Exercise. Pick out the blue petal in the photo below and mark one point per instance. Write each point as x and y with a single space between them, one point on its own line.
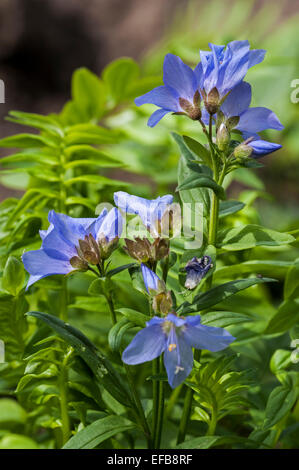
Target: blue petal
237 101
256 56
156 117
111 226
44 233
70 229
162 96
179 77
148 210
151 280
207 337
56 246
258 119
262 147
40 265
178 360
234 67
199 75
94 227
177 321
148 344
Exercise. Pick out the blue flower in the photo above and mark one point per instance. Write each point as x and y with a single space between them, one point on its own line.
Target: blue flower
225 67
150 211
71 243
151 281
262 147
251 120
175 336
179 91
196 270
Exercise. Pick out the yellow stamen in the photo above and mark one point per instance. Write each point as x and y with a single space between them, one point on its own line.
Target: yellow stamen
171 347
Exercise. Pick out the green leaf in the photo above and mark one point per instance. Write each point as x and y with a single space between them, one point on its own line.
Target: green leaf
88 92
97 362
115 271
223 319
134 316
80 201
95 179
291 285
80 153
248 236
219 293
230 207
203 442
286 316
13 276
11 413
275 268
280 402
38 121
192 196
280 360
118 76
198 149
117 332
201 181
27 141
99 431
17 441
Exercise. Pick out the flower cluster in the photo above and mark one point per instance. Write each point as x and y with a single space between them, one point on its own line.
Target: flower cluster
217 81
72 244
175 337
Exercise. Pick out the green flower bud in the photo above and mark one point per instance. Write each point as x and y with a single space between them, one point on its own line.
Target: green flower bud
242 151
223 137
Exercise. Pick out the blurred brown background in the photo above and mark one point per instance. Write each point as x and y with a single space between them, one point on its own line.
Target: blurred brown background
43 41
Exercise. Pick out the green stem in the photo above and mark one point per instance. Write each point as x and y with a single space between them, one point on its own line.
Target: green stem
173 399
213 423
138 404
136 399
185 416
155 371
165 269
111 308
160 410
63 300
63 389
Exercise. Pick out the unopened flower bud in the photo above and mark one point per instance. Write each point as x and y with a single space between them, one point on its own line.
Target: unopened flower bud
78 263
223 137
232 122
88 250
162 302
192 110
242 151
197 269
107 247
212 101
